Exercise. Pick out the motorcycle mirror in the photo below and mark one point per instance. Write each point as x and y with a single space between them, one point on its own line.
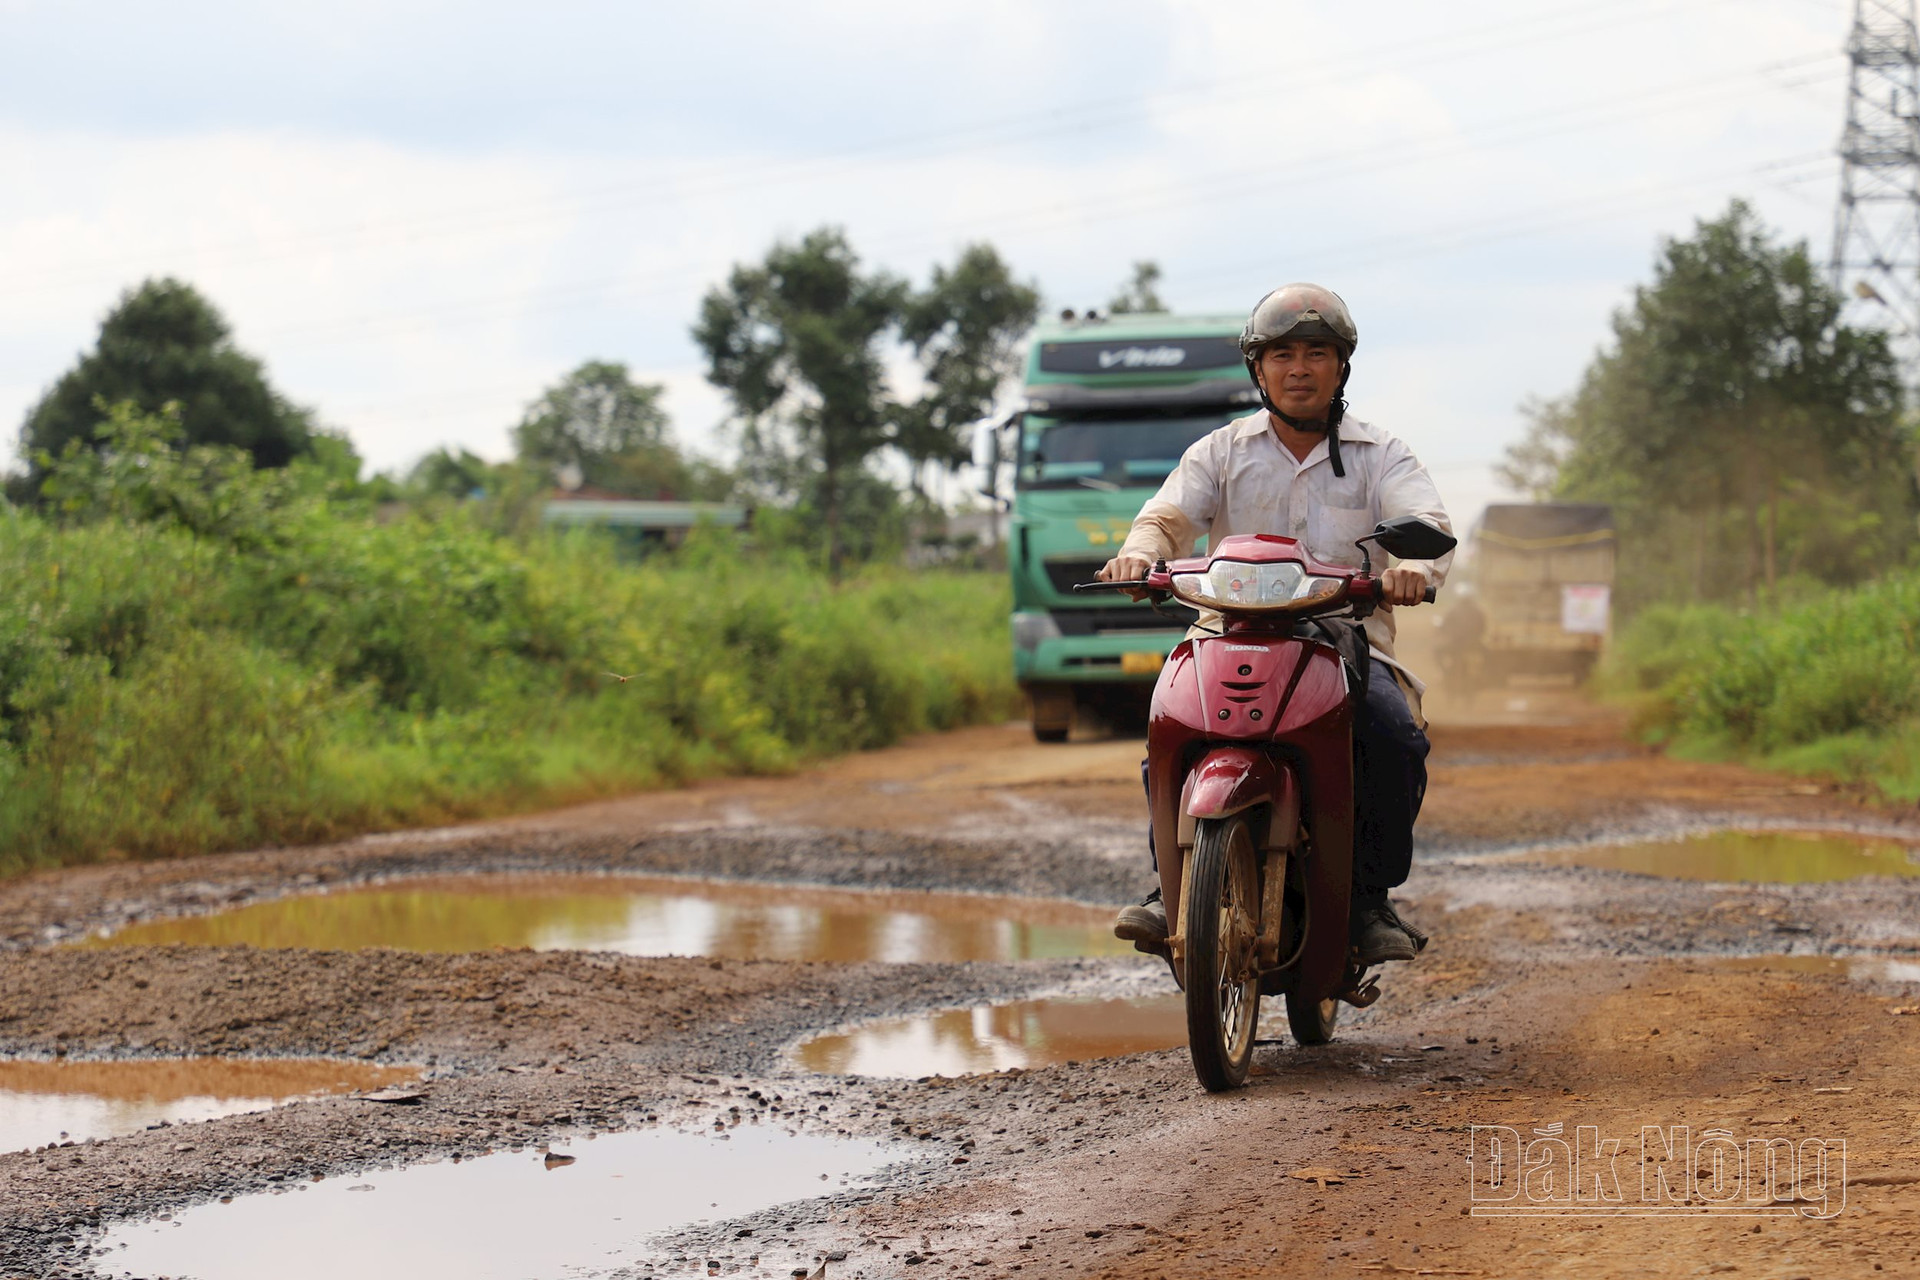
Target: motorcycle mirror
1411 538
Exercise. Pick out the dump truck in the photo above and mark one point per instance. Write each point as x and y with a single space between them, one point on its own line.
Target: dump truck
1538 597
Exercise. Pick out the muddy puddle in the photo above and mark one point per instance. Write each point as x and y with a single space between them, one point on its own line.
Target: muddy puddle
508 1215
1771 857
1853 968
1026 1033
649 917
67 1101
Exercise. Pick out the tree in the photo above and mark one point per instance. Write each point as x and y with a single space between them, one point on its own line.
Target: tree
138 472
1141 293
591 421
1731 406
445 473
796 343
966 330
164 344
614 434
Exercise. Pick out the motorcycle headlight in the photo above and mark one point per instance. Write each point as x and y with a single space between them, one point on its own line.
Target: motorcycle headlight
1234 584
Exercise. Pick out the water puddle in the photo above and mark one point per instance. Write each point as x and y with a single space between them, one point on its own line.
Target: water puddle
67 1101
505 1216
650 918
1774 857
1027 1033
1853 968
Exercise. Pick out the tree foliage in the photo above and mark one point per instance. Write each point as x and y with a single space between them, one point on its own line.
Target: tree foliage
137 472
800 341
1141 291
1741 431
797 343
452 473
599 427
966 328
595 414
165 344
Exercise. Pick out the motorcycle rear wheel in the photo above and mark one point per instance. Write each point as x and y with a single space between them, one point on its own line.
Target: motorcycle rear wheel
1222 926
1311 1021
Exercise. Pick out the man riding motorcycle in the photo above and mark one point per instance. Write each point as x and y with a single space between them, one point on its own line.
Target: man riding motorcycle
1301 469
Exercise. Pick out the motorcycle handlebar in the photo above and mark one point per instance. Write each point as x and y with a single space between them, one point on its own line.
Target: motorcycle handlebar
1367 587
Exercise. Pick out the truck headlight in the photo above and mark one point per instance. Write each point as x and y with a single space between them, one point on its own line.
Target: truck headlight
1029 629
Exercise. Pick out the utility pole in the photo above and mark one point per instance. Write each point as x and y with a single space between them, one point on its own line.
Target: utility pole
1876 230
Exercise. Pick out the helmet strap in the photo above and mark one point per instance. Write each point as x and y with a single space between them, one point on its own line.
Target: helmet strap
1329 424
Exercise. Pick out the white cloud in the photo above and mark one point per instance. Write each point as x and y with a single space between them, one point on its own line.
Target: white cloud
418 257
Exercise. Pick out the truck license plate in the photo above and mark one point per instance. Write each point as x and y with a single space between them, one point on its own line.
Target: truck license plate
1142 664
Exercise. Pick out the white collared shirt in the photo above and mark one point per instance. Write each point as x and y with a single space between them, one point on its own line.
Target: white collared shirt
1241 479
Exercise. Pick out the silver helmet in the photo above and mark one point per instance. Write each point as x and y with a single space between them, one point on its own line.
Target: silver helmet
1300 312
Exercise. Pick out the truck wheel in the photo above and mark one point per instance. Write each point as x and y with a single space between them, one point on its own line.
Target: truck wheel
1050 712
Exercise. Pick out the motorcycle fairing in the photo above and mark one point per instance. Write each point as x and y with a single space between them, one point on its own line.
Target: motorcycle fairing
1242 681
1311 728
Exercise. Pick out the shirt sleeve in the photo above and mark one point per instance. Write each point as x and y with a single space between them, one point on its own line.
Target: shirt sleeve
1182 512
1405 489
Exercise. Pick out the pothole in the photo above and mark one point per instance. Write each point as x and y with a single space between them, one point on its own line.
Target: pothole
590 1209
648 917
1771 857
64 1100
998 1037
1853 968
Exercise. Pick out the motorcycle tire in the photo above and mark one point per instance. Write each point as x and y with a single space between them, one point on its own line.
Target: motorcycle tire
1221 917
1311 1021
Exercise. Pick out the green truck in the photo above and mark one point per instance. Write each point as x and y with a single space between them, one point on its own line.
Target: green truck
1110 405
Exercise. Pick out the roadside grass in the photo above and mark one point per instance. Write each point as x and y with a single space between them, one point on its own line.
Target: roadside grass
1827 687
165 691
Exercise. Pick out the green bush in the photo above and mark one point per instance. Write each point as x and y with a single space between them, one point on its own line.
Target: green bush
1827 684
170 684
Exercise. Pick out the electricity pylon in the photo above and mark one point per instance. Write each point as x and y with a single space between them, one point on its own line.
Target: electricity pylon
1876 231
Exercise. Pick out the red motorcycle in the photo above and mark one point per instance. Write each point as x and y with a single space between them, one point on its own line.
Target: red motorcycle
1250 782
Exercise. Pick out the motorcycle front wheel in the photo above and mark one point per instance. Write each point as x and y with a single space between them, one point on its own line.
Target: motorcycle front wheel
1222 923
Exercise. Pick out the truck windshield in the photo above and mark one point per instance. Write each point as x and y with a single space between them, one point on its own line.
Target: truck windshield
1110 451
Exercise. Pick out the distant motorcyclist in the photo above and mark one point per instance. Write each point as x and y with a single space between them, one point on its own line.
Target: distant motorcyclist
1301 469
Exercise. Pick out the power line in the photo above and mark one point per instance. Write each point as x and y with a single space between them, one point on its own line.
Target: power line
1108 112
1233 183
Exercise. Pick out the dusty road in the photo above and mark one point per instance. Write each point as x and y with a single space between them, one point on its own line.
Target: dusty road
1552 996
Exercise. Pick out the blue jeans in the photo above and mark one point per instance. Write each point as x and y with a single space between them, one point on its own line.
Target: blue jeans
1389 782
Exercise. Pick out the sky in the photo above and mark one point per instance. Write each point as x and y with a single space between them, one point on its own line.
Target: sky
420 214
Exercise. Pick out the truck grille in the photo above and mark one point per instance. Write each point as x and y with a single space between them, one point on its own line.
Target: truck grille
1062 574
1122 620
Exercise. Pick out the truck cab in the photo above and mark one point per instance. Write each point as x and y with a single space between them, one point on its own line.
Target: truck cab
1110 406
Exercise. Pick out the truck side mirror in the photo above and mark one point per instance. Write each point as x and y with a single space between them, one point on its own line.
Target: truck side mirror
986 452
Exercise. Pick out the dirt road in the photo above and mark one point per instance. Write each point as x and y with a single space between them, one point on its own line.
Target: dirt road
1594 1001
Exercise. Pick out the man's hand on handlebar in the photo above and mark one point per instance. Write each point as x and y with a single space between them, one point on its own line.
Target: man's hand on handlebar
1403 586
1126 567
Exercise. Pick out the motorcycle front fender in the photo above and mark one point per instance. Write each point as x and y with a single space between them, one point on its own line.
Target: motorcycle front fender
1227 780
